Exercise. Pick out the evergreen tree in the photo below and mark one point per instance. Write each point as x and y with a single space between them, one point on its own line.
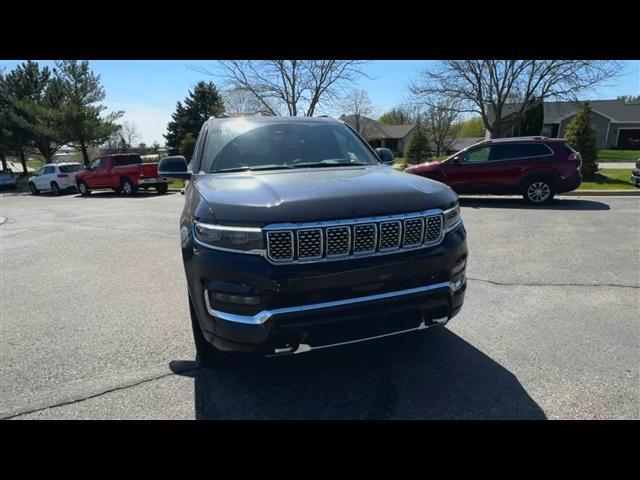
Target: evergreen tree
532 118
34 100
418 150
187 146
81 111
581 135
201 103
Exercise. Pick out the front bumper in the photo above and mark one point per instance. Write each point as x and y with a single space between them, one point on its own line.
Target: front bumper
152 182
312 306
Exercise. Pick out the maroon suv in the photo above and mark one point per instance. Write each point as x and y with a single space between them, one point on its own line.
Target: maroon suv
536 167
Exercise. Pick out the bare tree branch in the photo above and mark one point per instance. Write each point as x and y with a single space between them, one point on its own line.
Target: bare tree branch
485 87
293 87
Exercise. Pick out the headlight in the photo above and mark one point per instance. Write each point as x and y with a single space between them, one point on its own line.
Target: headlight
244 239
452 218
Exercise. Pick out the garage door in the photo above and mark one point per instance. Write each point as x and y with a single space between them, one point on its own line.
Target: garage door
629 138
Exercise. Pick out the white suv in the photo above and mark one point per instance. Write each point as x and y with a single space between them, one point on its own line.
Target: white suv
55 177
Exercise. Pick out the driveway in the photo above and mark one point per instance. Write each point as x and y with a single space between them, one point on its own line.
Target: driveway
94 323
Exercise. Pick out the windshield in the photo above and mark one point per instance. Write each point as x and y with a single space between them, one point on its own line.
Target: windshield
244 145
70 168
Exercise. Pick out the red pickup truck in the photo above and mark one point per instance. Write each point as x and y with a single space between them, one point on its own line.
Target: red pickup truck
122 172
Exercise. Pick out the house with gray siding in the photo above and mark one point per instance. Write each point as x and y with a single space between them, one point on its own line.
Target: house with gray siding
617 123
378 134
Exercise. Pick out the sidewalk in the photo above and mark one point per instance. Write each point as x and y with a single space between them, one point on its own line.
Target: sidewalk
617 165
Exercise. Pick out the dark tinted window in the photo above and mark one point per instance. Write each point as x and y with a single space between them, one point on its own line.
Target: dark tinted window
523 150
127 160
48 170
242 143
70 168
477 155
104 163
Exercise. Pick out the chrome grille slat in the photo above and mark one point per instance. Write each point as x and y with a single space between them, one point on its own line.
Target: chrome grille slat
365 238
309 243
434 229
340 239
413 232
280 245
390 235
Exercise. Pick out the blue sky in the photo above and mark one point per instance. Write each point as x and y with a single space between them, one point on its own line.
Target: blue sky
148 90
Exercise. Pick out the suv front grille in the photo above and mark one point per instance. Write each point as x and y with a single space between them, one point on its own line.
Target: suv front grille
280 245
353 238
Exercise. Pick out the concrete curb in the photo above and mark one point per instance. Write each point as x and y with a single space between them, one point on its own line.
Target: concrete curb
601 193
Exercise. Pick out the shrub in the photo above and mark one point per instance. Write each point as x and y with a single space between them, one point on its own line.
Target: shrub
581 135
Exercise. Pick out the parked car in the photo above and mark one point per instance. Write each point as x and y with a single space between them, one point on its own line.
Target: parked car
635 174
7 179
54 177
121 172
536 167
297 235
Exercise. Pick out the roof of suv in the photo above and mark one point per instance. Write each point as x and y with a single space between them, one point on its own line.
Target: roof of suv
272 119
521 139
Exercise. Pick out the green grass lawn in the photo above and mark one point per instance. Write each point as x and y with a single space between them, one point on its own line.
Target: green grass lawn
610 179
618 155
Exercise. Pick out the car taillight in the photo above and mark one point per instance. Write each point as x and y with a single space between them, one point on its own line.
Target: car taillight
62 175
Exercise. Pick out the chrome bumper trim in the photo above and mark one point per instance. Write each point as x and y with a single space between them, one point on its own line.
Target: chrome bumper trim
264 315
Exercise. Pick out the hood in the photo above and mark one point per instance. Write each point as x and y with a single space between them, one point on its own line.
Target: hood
280 196
425 167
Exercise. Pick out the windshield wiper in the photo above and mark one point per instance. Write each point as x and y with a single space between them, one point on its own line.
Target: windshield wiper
246 168
337 164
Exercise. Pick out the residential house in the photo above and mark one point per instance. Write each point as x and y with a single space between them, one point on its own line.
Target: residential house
617 123
378 134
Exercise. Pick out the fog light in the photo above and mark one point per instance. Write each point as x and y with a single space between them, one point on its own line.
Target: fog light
237 299
457 284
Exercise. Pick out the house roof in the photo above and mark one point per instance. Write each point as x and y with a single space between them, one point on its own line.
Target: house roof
374 129
616 110
464 142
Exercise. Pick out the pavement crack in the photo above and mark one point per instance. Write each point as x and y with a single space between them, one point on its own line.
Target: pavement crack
540 284
79 399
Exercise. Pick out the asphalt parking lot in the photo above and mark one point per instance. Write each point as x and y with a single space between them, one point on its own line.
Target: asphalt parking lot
94 323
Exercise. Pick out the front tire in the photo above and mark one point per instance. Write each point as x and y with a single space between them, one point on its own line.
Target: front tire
33 189
83 188
538 191
162 189
128 188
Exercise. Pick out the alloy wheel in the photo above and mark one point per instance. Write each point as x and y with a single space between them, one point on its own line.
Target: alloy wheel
538 192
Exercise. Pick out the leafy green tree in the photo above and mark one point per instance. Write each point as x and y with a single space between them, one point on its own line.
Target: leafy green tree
187 146
581 135
418 149
35 98
81 111
201 103
400 115
532 118
473 127
7 139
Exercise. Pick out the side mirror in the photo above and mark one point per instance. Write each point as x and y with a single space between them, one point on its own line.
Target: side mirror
174 167
385 155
